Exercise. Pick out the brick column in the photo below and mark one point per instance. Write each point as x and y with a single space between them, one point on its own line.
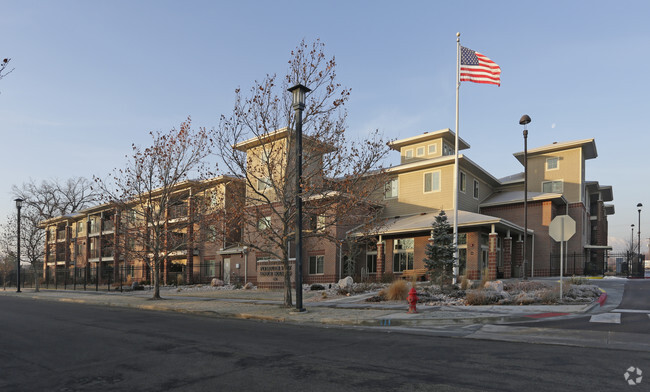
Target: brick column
507 257
518 258
189 264
380 260
492 256
116 253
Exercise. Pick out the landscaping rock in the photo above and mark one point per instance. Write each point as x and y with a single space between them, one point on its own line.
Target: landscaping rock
346 283
248 286
496 285
216 282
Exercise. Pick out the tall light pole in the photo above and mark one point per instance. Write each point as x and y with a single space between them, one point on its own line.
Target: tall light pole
638 229
19 205
525 120
299 92
631 251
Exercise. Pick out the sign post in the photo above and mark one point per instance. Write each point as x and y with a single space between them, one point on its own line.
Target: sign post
561 229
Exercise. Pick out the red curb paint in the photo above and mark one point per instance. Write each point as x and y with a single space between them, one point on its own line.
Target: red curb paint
543 315
602 299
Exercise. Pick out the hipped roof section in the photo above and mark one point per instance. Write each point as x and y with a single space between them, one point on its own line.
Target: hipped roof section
281 133
588 149
178 187
446 134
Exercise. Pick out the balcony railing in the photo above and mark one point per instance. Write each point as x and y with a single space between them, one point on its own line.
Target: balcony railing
178 211
60 256
109 225
108 252
94 253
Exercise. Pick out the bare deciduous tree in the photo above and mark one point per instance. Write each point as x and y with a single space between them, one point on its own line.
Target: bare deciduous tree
147 189
339 177
4 68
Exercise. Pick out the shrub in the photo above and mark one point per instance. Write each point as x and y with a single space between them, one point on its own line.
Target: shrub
388 277
549 296
484 277
316 287
482 297
577 280
397 291
464 282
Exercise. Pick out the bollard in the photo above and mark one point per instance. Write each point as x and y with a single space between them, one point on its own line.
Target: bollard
412 299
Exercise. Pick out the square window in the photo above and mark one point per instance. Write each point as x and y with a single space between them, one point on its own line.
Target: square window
552 163
432 182
462 182
391 189
264 223
316 264
419 152
408 153
553 186
263 183
433 148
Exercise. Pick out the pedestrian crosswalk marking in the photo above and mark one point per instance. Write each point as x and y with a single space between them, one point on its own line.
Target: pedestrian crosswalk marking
609 318
631 311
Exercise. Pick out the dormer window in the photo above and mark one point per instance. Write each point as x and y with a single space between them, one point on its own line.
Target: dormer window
433 148
419 152
552 163
408 154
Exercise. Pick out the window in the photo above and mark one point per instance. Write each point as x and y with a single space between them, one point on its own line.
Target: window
433 148
419 152
212 233
462 182
264 223
432 182
208 268
213 199
408 153
462 238
390 191
476 189
403 254
371 258
263 183
316 265
553 186
80 227
552 163
447 149
371 263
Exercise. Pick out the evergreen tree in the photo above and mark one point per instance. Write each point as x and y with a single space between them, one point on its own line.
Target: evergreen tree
440 252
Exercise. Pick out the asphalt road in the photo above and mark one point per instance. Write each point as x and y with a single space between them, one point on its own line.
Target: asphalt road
633 314
54 346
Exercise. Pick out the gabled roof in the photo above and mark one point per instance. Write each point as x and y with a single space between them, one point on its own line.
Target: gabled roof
446 134
588 149
423 222
278 134
511 197
463 162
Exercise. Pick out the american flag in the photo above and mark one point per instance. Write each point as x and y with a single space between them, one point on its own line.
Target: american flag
477 68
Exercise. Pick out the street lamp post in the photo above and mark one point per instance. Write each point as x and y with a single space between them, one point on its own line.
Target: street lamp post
631 255
525 120
19 205
299 92
638 233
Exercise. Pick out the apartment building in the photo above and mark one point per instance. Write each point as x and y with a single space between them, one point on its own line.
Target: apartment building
106 243
490 217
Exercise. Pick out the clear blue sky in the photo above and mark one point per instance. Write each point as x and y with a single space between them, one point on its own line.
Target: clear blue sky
92 77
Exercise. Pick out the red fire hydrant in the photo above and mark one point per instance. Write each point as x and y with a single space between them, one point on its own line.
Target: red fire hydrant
412 299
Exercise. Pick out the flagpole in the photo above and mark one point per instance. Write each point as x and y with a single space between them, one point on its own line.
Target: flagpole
456 131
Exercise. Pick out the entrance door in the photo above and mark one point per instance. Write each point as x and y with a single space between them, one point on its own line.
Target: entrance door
226 270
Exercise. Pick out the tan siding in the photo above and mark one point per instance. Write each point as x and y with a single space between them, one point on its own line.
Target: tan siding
411 197
569 171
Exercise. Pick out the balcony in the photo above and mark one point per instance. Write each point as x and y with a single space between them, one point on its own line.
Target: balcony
178 211
109 226
60 256
108 252
60 235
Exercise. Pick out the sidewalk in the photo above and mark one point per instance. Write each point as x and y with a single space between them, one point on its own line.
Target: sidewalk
338 311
